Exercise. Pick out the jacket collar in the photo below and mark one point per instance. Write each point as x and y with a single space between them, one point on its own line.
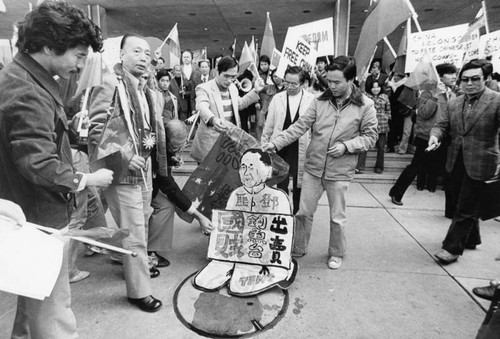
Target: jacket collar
40 74
356 96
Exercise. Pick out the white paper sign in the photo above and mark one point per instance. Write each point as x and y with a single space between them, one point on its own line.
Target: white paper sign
318 34
442 45
30 260
111 51
296 52
489 45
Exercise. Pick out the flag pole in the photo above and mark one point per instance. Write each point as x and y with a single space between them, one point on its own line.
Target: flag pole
483 4
390 47
414 15
168 36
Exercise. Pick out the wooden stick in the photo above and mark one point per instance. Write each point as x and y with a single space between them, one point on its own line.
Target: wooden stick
82 239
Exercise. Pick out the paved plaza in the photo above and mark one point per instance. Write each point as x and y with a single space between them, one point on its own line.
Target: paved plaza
389 285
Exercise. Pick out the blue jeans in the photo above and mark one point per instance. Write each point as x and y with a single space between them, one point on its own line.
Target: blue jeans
312 189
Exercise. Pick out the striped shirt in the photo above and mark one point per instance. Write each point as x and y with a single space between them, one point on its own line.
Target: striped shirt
227 105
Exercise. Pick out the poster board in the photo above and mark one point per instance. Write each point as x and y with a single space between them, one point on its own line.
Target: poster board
296 52
319 34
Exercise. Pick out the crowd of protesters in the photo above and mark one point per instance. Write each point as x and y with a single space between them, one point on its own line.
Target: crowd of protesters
322 121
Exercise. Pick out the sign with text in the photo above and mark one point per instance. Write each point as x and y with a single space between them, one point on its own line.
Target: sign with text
296 52
252 238
319 34
443 45
489 45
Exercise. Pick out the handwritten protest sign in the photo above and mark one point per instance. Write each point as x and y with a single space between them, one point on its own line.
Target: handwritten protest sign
217 176
443 45
296 52
319 34
489 45
252 238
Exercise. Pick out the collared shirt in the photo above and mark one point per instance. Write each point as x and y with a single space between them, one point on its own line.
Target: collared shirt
469 104
204 78
187 70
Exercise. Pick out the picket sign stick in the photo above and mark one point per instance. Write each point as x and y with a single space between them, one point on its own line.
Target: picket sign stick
77 238
486 26
84 133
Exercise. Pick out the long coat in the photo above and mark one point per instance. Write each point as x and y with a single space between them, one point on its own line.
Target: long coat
209 104
478 137
276 119
36 168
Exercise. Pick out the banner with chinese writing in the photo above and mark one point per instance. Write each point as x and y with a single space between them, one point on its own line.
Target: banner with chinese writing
217 176
251 237
443 45
296 52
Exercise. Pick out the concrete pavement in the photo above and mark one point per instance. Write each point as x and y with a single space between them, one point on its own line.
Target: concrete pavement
389 285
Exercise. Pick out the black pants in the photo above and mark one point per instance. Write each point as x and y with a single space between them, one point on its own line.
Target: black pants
411 171
464 228
380 146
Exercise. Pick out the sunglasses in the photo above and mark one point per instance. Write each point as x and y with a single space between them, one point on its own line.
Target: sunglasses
474 79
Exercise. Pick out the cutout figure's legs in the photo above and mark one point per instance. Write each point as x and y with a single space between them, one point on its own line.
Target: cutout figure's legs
213 276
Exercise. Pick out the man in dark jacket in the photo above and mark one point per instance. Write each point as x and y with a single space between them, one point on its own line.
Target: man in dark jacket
35 156
473 122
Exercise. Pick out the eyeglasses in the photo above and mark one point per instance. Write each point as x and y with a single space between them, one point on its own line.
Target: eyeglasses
474 79
291 84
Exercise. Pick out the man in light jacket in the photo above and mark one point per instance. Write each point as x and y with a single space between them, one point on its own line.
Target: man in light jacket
345 123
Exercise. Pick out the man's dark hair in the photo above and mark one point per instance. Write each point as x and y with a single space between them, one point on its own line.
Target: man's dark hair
161 58
129 35
294 70
202 61
187 50
226 63
264 156
264 58
345 65
446 68
163 73
58 26
485 66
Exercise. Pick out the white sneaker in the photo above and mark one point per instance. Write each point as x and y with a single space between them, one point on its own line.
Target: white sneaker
334 262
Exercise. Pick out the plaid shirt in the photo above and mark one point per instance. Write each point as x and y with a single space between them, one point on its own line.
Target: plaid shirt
383 108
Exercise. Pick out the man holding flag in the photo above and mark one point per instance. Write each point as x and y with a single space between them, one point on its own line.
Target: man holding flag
219 104
125 131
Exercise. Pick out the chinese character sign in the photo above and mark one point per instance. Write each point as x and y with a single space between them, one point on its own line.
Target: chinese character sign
252 238
296 52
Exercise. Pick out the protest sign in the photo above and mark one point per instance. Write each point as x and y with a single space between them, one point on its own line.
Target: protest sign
252 238
30 260
111 51
217 176
489 45
471 46
296 52
319 34
442 45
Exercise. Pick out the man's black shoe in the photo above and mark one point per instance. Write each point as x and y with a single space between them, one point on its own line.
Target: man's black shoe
485 292
160 261
147 304
154 273
396 201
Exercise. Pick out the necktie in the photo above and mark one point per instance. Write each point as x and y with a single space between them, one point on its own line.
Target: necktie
204 78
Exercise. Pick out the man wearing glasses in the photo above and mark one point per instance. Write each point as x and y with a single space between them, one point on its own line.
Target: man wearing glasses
285 109
219 104
473 123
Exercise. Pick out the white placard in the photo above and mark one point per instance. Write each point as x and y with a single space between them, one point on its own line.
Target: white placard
489 45
318 34
296 52
442 45
30 260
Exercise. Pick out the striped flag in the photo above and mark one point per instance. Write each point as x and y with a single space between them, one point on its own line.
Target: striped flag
174 48
424 77
247 61
479 21
377 25
268 45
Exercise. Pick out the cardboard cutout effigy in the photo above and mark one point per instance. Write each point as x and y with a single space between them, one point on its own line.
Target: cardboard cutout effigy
250 248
